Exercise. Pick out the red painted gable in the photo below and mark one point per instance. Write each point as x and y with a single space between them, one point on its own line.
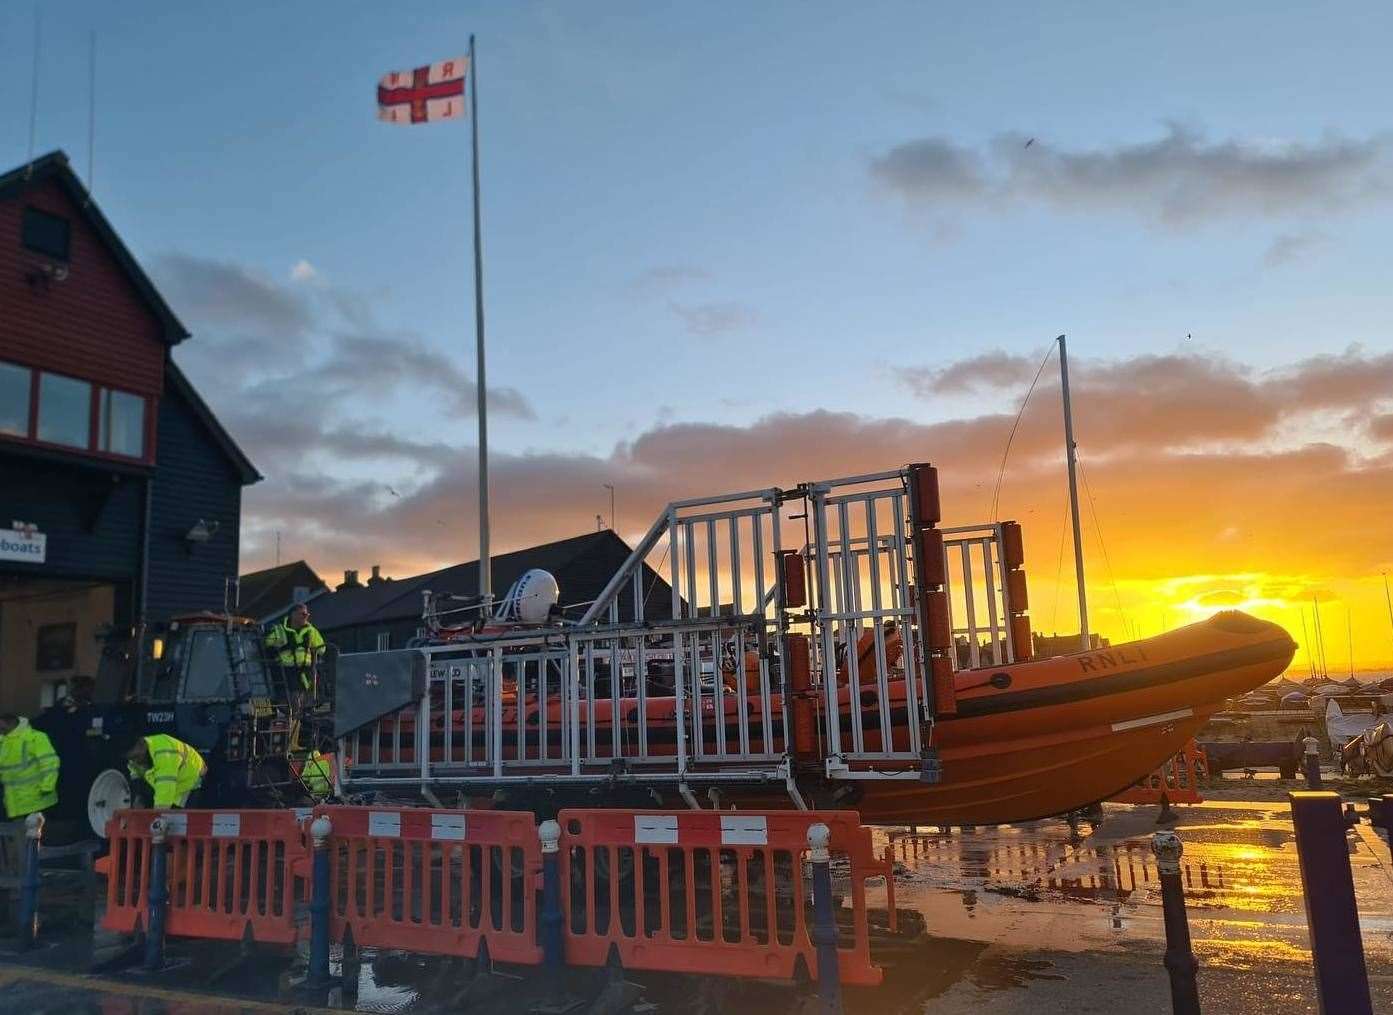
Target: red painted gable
95 324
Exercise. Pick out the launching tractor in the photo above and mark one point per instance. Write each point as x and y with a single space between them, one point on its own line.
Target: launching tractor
206 679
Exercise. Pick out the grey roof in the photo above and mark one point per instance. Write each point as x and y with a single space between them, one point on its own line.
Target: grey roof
265 593
581 564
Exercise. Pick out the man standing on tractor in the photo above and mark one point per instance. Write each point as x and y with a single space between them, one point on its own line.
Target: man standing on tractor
28 768
172 768
300 645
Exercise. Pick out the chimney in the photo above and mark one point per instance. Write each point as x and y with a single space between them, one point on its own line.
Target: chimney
376 578
350 580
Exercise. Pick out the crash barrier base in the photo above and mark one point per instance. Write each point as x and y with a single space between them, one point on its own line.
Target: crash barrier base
1178 780
435 881
719 893
230 875
710 892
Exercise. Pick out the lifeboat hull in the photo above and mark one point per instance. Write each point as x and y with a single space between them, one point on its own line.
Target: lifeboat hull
1048 736
1074 730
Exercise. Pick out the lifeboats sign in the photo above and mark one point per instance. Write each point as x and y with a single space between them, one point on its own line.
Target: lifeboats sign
23 543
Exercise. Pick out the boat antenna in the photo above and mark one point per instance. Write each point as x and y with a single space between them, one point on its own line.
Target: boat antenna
1071 457
996 495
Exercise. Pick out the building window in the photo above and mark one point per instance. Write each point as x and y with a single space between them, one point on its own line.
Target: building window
122 422
56 647
65 411
14 400
46 234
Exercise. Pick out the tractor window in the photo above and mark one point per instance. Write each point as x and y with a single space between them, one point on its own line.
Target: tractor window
168 666
251 671
209 673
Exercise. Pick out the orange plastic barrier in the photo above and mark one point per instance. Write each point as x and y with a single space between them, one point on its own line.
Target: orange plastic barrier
435 881
725 893
1178 780
230 873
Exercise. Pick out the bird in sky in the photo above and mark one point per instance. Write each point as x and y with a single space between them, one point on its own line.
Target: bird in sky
1030 142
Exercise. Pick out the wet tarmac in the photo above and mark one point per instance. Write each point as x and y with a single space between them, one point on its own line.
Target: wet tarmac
1032 918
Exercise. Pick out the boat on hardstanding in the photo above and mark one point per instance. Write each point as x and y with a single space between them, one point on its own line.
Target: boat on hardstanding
876 660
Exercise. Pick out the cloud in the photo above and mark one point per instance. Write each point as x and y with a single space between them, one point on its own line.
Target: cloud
303 271
666 277
1180 179
713 318
989 370
222 295
382 362
1290 247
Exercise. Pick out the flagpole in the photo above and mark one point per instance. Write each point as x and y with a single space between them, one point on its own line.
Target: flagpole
485 563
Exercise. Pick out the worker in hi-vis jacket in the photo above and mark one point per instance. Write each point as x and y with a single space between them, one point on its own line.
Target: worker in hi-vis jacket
28 767
172 768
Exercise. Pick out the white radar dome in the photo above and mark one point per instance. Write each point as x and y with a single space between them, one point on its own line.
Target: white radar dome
532 596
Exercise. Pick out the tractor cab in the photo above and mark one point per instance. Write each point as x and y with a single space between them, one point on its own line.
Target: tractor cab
206 679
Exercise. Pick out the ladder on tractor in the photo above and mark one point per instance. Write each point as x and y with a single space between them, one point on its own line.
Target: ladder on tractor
761 638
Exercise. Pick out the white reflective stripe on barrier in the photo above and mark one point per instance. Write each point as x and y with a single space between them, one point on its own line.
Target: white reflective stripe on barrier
447 826
385 824
227 826
744 830
175 823
656 828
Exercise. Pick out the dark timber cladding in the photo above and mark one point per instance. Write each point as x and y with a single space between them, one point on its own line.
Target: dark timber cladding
120 493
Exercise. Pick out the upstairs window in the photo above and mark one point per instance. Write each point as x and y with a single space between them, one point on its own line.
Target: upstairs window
65 411
45 234
14 400
121 424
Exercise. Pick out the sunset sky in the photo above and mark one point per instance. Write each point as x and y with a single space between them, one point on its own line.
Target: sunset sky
735 245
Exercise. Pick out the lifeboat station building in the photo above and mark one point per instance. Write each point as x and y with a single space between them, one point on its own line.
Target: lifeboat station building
120 493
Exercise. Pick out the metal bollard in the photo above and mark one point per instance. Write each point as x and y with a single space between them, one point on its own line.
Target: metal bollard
824 929
29 886
1180 958
553 947
1332 914
318 976
157 897
1312 763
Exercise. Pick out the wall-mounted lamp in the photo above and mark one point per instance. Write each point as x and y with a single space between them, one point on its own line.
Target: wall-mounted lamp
200 533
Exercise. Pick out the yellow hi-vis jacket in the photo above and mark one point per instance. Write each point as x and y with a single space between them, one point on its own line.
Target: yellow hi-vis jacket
318 774
29 770
300 648
176 770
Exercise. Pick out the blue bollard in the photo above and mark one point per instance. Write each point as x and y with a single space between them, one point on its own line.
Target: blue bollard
1332 914
824 930
157 897
29 886
1180 959
318 977
553 946
1312 763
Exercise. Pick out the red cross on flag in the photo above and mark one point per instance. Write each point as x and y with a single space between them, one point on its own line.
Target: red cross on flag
435 92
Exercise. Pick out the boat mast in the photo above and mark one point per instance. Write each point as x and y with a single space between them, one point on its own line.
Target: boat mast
1071 456
1320 638
1349 633
1388 599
